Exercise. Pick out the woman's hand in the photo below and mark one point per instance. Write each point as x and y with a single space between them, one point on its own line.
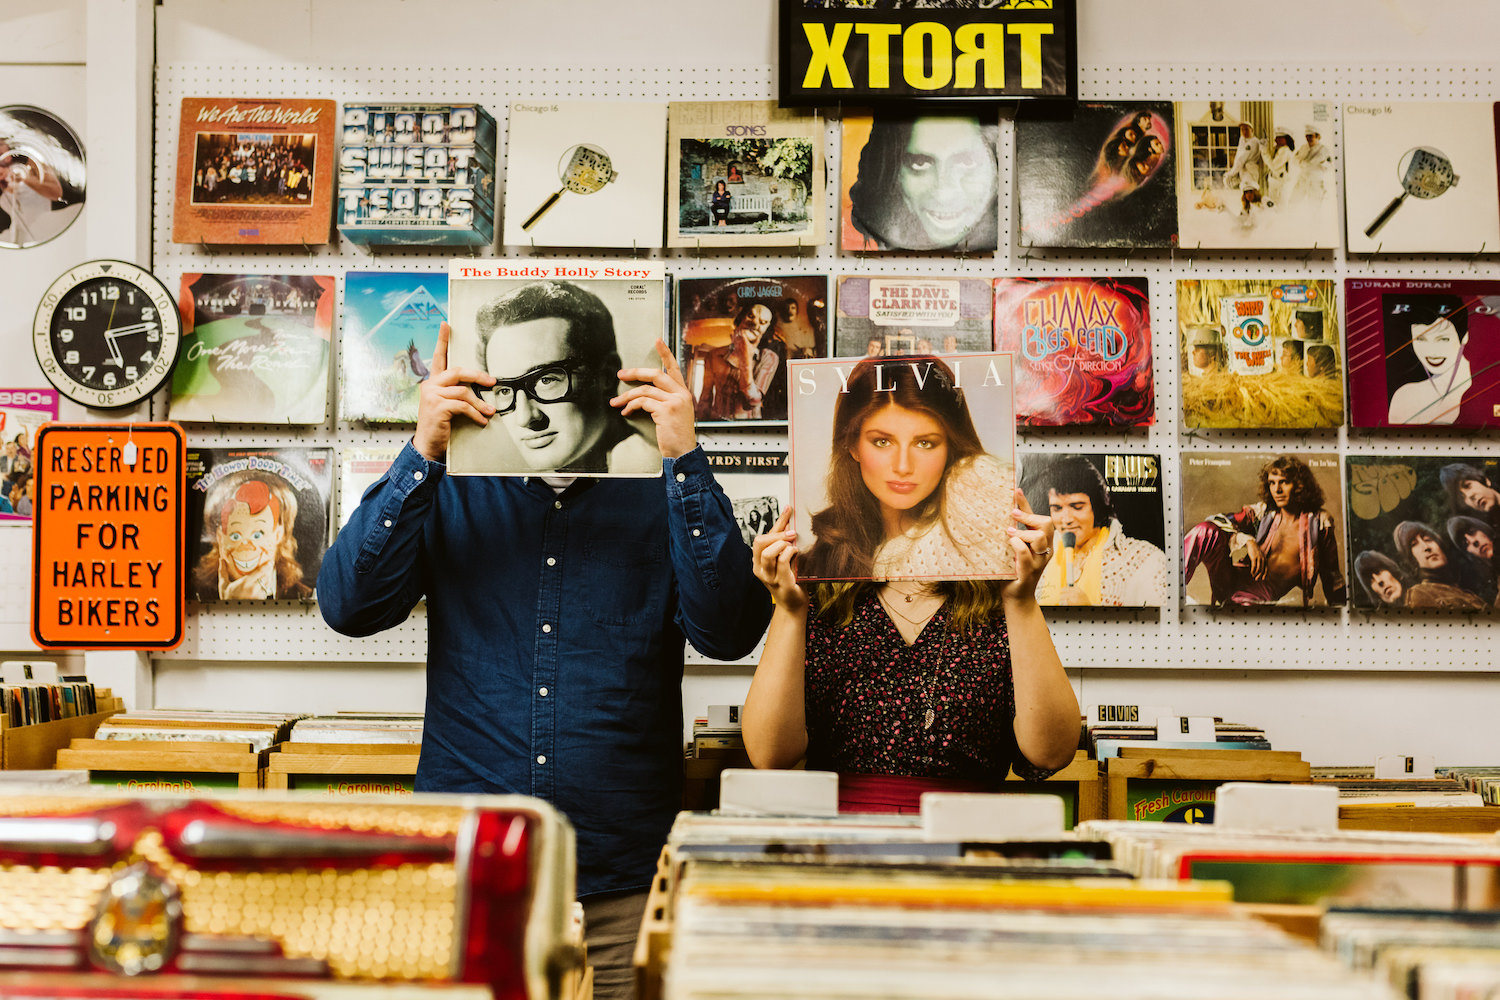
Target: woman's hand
1031 540
773 557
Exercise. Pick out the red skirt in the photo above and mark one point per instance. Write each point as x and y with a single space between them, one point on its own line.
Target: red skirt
897 793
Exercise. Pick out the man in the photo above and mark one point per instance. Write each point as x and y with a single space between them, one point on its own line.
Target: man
1470 492
1289 361
1249 165
252 517
736 376
557 611
1290 541
1205 350
1431 560
1388 586
1313 161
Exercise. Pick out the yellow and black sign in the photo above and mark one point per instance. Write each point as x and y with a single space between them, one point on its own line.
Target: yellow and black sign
884 51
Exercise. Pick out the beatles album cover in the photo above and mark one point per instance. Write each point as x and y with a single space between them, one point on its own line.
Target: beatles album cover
1106 177
1256 174
1423 352
1262 528
22 414
585 174
255 349
555 334
736 336
359 469
920 182
1259 353
391 321
254 171
747 174
1419 177
903 468
1082 349
417 174
757 483
899 314
261 519
1424 531
1108 546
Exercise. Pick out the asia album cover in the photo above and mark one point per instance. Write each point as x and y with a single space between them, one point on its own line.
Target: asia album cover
253 170
255 349
585 173
1423 531
1262 528
743 174
736 336
1082 350
1109 538
881 314
260 520
1256 175
1259 353
920 182
555 334
1420 177
757 483
1423 352
391 321
903 468
1105 177
359 469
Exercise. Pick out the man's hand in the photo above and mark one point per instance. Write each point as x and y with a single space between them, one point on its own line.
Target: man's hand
664 394
1257 560
446 393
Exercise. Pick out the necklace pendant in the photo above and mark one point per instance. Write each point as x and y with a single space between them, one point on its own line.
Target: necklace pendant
928 719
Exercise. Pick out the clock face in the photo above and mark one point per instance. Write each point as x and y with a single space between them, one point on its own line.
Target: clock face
107 334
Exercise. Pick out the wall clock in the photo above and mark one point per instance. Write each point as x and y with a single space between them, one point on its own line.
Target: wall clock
107 334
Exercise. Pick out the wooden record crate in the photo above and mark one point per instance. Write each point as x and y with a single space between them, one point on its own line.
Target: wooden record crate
35 747
1421 819
1141 776
343 768
655 936
165 765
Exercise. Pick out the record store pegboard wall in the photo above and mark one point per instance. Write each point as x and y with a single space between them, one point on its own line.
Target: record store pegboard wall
1171 637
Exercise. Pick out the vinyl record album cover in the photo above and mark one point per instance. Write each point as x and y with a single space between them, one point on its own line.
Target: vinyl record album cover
555 335
903 468
22 414
255 349
1423 352
743 173
359 469
1259 353
1108 543
1256 174
1419 177
585 174
1082 348
254 171
1262 528
758 484
1424 531
736 336
1106 177
391 321
923 182
909 314
261 519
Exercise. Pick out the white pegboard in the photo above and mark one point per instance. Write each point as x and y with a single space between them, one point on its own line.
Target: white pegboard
1172 637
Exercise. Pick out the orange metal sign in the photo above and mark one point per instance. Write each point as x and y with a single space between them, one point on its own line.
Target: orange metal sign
107 554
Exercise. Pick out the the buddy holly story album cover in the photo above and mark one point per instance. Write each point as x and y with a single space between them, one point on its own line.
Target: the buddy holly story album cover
903 468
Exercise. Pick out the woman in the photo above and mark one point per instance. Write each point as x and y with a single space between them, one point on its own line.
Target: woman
906 687
718 204
1433 330
928 184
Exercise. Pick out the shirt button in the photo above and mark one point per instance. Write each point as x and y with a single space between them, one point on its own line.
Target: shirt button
696 533
416 475
542 692
682 477
541 758
557 504
546 628
387 522
551 561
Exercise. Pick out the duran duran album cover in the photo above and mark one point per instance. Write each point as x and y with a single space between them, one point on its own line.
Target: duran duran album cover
899 314
585 174
359 469
743 174
261 519
1259 353
1105 177
903 468
736 336
920 182
391 321
757 483
1082 349
1424 531
255 349
1420 177
1262 528
1423 352
1256 174
254 171
22 414
555 335
1109 538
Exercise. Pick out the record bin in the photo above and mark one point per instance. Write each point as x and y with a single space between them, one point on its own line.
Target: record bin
1152 783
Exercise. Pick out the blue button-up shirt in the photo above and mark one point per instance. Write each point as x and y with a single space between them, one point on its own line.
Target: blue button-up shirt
555 630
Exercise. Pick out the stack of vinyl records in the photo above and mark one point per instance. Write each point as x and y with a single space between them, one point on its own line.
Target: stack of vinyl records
259 729
1358 786
1422 954
716 741
359 727
1483 781
29 704
1104 740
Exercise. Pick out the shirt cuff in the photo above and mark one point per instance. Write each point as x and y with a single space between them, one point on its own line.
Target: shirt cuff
687 474
411 471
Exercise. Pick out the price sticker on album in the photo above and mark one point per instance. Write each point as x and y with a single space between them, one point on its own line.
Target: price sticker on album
107 556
